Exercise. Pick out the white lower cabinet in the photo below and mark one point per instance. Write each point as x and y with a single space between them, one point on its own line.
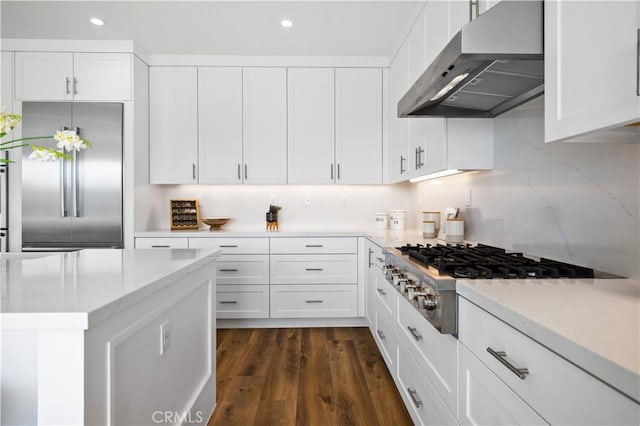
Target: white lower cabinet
556 389
314 301
242 301
420 397
486 400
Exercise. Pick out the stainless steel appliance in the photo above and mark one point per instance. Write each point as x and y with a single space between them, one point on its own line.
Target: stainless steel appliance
493 64
75 204
426 275
4 200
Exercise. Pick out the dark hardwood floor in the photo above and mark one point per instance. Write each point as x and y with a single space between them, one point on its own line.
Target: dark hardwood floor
304 376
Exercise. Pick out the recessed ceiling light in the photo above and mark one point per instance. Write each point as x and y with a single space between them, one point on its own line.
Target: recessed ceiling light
286 23
96 21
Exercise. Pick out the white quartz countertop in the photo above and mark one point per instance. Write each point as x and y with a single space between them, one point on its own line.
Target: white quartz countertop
594 323
80 289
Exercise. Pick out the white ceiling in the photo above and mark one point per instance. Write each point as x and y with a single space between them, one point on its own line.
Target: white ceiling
321 28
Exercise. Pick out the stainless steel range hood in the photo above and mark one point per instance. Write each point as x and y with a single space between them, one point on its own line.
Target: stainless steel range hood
493 64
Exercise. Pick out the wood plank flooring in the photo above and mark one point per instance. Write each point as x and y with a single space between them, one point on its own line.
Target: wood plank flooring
304 376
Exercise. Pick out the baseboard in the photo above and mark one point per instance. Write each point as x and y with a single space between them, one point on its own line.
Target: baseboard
292 322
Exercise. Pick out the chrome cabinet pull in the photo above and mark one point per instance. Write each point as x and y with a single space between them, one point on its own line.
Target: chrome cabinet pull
246 174
338 171
381 334
414 396
414 332
381 291
314 245
313 301
417 159
402 160
380 259
370 261
332 172
68 81
159 246
501 356
228 302
228 246
193 171
314 269
239 172
420 161
75 86
229 270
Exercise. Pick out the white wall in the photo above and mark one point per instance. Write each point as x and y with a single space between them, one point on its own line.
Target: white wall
571 202
247 205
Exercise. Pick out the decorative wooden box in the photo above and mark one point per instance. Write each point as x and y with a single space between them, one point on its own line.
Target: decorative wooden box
184 214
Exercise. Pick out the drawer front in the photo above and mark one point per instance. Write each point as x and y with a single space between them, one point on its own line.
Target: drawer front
247 301
436 354
385 296
558 390
314 269
386 337
162 243
233 245
303 245
486 400
242 269
421 399
311 301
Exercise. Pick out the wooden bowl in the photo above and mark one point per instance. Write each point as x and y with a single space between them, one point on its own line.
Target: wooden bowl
215 222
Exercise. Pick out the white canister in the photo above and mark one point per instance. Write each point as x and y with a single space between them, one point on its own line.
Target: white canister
428 229
397 218
382 221
432 217
455 230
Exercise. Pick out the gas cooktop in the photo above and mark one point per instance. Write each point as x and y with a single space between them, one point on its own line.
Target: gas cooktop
486 262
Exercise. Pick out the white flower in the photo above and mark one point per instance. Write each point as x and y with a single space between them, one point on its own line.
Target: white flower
69 140
8 121
44 154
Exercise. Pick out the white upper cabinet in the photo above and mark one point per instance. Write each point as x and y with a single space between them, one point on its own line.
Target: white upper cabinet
53 76
399 138
173 118
311 130
220 125
417 42
265 125
358 126
591 70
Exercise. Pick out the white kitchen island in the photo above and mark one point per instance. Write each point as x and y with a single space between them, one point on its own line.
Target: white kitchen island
108 337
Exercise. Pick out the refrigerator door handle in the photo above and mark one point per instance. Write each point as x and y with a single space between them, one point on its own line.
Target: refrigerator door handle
63 189
74 179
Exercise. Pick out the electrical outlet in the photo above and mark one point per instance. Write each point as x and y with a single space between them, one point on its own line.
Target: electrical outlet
307 200
164 337
272 199
343 200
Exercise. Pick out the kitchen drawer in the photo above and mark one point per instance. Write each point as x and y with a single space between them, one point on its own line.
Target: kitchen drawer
386 337
304 245
232 245
421 399
386 296
558 390
314 269
486 400
247 301
312 301
436 354
162 243
242 269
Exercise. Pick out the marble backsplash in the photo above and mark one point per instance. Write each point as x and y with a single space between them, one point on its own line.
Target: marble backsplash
571 202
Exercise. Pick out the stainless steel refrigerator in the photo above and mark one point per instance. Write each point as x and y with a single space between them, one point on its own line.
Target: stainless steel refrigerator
73 204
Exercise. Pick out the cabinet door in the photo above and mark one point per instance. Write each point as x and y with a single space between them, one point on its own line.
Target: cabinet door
417 41
102 76
43 76
265 125
594 90
359 125
311 134
399 83
173 122
220 125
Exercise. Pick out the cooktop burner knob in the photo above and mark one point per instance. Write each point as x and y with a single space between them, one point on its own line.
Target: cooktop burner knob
430 302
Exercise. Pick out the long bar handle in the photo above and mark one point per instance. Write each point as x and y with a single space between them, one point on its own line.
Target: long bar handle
68 82
638 65
381 334
63 189
381 291
75 86
313 301
338 166
193 171
229 270
414 332
314 269
228 246
370 260
501 356
402 160
246 173
414 396
314 245
74 183
239 172
331 171
160 246
228 302
417 159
